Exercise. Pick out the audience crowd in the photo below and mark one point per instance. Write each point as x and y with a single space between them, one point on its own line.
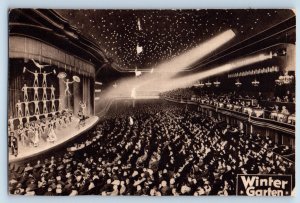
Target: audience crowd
152 149
254 106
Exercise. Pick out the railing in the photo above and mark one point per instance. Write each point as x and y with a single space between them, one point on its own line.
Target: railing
241 113
251 111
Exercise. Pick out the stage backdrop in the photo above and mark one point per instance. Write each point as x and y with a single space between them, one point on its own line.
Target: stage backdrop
24 51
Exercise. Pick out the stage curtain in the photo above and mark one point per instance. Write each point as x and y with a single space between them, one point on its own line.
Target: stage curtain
27 48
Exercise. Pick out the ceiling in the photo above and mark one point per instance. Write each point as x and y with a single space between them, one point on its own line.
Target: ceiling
164 34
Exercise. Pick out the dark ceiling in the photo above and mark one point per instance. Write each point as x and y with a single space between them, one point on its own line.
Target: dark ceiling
165 34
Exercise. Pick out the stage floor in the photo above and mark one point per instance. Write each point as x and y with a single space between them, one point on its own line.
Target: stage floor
63 135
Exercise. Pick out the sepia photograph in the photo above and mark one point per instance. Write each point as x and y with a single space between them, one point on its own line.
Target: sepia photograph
151 102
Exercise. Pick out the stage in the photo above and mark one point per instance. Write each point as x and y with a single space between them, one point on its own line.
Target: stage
64 135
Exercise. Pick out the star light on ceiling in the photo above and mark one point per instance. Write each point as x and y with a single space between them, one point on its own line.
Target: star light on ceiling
165 34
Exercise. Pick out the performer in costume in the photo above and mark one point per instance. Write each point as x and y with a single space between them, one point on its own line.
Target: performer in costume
57 120
19 109
43 125
44 83
51 135
40 129
22 134
21 121
36 77
45 110
44 93
30 133
60 107
53 122
36 108
52 96
83 106
11 123
53 109
62 122
27 119
65 118
26 111
36 138
25 90
36 93
67 90
39 65
70 116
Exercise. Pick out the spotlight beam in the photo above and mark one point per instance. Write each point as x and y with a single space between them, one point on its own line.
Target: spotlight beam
188 58
168 69
164 72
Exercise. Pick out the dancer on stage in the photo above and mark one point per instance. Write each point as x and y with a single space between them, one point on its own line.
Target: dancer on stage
51 122
57 121
67 90
65 117
27 119
52 95
44 93
37 116
36 77
11 123
40 128
26 111
62 122
45 110
60 106
21 121
36 138
25 90
46 115
44 82
53 109
39 65
19 109
82 106
36 108
22 134
51 135
70 115
36 93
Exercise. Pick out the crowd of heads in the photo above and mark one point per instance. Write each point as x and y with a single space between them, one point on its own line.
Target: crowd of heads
168 149
230 99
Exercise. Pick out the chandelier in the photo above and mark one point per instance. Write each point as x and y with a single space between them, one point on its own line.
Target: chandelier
199 84
238 83
284 79
208 84
217 83
255 83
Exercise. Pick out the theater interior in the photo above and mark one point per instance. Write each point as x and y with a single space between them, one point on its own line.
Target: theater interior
169 102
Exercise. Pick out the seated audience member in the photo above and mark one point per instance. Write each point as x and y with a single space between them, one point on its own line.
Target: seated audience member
168 150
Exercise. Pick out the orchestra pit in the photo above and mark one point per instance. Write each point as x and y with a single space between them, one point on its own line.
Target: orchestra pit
149 102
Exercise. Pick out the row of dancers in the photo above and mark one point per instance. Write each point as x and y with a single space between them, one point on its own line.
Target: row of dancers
31 132
26 112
